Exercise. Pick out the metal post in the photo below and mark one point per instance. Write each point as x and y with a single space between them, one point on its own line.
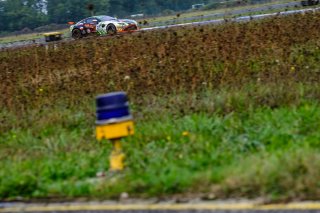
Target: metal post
117 156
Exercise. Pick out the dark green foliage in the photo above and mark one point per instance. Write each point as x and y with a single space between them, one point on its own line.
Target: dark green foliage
18 14
62 11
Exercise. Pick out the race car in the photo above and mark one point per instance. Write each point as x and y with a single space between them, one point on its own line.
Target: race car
101 25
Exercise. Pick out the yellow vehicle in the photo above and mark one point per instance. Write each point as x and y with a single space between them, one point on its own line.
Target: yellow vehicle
53 36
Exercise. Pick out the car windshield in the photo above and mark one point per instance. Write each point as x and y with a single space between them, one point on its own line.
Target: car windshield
106 18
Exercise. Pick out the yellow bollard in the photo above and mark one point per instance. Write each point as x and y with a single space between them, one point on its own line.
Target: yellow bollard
117 156
115 130
114 121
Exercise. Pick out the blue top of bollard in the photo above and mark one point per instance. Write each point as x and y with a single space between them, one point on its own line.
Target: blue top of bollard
112 108
111 99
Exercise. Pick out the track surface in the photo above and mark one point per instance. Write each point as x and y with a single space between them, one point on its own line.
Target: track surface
232 12
213 16
203 207
238 19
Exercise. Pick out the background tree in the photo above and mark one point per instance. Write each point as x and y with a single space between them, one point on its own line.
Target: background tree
62 11
18 14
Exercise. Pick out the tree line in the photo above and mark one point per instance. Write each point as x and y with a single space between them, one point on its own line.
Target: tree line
18 14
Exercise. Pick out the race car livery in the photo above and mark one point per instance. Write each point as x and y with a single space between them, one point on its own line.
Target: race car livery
102 25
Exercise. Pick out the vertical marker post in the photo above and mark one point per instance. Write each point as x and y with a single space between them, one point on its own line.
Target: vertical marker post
114 121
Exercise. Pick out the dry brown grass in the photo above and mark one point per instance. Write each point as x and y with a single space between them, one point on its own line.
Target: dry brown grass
161 62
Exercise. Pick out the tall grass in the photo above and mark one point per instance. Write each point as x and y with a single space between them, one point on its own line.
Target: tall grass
279 51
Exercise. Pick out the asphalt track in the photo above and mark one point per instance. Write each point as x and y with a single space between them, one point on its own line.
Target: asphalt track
204 207
213 16
232 12
238 19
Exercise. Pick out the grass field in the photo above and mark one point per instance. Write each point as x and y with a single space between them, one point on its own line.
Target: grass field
31 36
221 111
23 37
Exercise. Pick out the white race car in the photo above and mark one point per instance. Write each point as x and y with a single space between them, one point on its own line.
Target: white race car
101 25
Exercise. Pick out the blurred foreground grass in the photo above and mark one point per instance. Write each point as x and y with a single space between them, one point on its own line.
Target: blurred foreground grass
252 153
